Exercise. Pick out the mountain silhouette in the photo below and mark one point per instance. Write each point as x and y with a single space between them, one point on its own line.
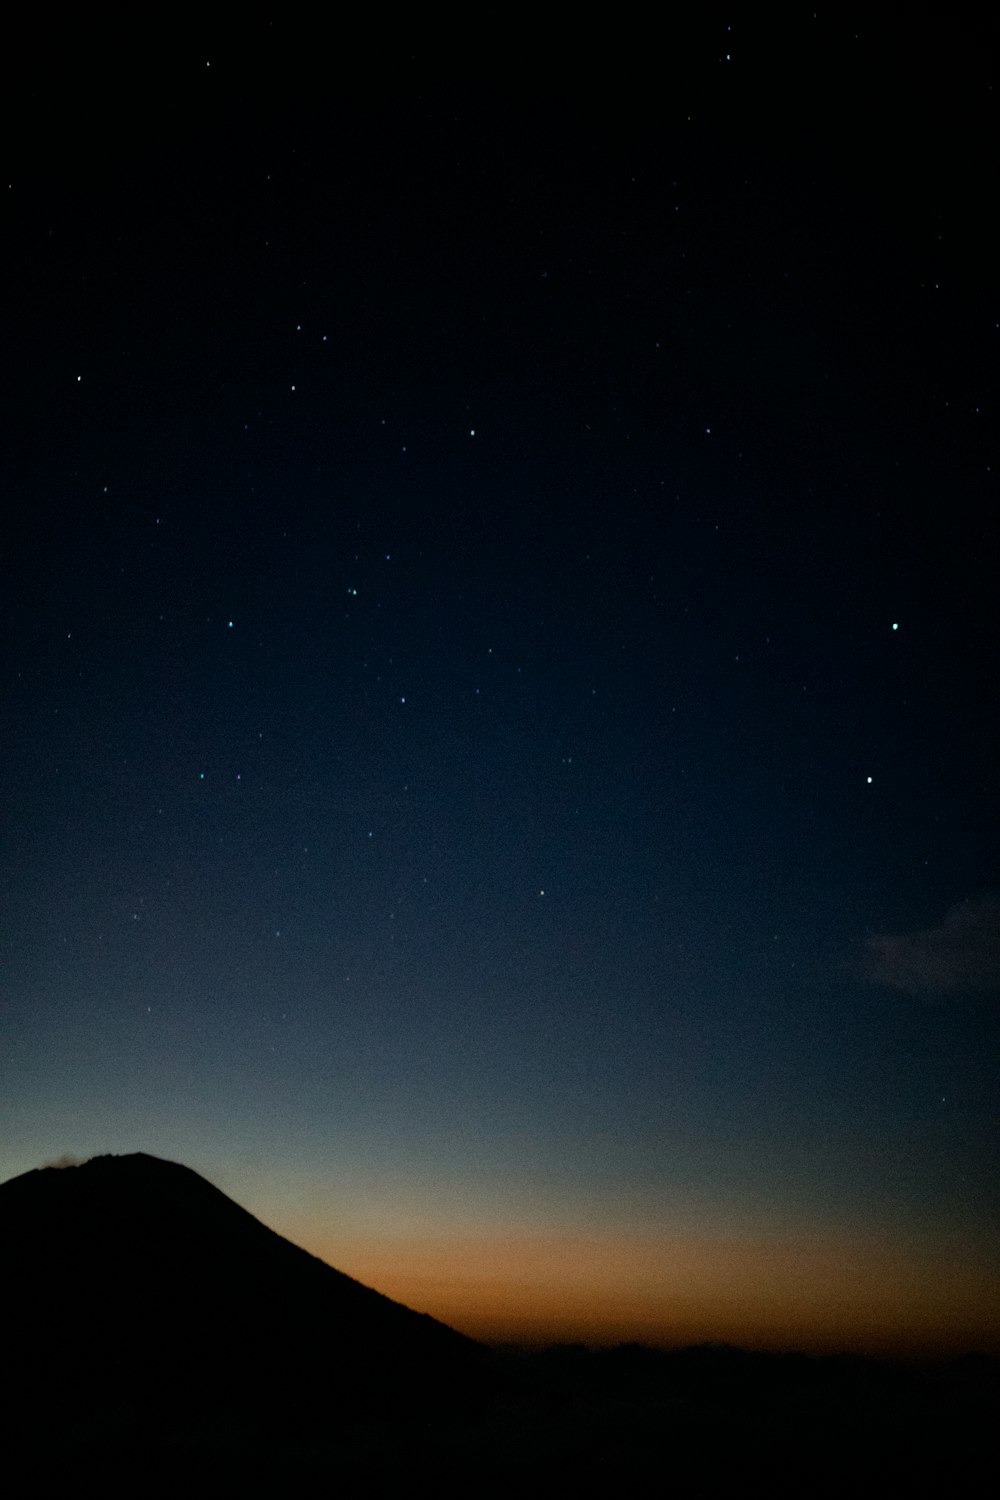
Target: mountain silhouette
139 1295
157 1336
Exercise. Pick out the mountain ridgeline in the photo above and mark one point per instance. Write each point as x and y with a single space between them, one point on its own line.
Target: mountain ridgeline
132 1283
157 1336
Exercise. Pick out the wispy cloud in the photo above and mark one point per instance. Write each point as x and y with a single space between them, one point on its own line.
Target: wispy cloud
962 953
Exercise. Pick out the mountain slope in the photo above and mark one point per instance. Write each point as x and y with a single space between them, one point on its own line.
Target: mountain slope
131 1283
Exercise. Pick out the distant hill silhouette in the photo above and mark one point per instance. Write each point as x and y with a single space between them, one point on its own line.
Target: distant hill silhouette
134 1289
156 1337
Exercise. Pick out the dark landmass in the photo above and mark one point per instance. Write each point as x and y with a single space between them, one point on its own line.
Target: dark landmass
156 1334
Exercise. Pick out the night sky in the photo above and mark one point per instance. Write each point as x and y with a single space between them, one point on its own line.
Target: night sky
499 724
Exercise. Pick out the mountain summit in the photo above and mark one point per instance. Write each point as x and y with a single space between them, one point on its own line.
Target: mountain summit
133 1285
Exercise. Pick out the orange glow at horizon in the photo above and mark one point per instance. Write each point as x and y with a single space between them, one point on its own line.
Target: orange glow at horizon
813 1294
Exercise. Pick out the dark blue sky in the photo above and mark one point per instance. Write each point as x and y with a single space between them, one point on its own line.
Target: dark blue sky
498 659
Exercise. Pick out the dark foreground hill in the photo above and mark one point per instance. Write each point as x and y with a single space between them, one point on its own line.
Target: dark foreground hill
156 1336
136 1294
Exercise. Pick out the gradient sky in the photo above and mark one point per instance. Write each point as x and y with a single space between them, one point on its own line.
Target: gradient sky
499 644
